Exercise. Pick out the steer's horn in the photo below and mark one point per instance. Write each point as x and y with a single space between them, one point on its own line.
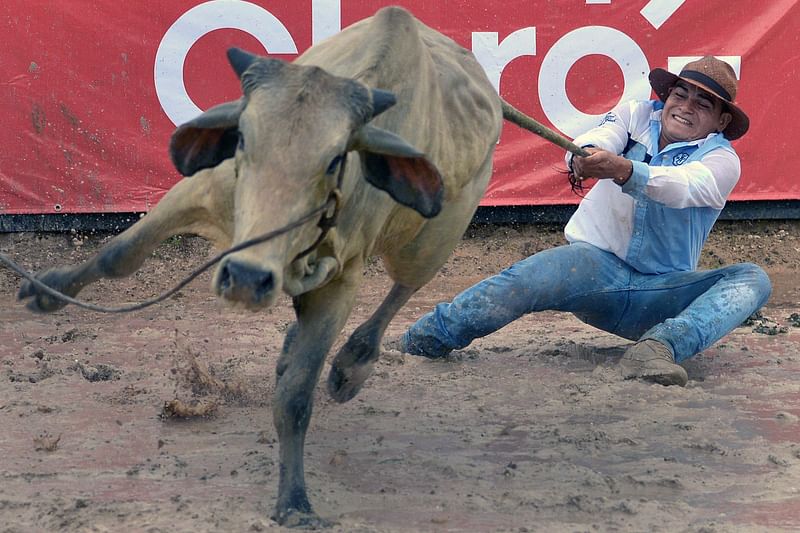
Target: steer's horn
381 101
240 60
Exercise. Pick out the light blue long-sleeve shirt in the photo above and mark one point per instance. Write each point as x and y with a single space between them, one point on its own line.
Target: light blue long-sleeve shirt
660 218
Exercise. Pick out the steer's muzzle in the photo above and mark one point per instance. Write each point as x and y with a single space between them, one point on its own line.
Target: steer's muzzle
243 282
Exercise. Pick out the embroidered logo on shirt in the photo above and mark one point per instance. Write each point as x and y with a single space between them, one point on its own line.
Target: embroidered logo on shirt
610 117
680 159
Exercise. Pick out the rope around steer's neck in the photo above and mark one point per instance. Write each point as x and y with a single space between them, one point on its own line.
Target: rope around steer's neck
325 224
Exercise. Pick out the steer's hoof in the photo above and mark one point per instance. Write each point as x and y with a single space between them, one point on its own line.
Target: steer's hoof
345 382
43 302
301 519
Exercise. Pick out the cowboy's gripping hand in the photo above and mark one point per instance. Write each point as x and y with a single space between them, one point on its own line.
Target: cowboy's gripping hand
602 164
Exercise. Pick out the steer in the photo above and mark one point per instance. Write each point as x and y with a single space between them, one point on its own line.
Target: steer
391 123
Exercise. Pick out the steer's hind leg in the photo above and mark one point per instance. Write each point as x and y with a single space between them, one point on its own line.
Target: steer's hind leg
201 205
353 364
320 316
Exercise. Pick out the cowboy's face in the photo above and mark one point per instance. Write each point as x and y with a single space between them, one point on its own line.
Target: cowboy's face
690 113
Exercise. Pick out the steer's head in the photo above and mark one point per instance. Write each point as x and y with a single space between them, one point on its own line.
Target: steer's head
290 134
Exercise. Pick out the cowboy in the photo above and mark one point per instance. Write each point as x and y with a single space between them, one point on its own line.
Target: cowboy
665 168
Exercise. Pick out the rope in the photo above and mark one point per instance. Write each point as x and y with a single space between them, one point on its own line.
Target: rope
522 120
5 260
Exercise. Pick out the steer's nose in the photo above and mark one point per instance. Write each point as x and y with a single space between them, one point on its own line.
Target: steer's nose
246 283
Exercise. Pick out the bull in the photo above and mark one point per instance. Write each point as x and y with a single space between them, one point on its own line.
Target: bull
391 125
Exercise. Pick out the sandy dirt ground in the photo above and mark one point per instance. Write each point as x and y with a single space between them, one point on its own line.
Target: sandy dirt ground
529 429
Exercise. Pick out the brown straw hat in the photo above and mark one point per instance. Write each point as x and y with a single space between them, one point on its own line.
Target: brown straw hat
712 75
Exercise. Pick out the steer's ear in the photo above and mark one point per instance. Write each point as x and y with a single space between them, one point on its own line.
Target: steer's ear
391 164
207 140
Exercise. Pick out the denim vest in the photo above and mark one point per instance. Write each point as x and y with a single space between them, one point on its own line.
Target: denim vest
666 239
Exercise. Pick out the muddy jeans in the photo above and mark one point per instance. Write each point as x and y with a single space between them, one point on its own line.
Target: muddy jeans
687 311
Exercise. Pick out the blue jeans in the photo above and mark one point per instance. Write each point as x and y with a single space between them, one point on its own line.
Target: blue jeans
687 311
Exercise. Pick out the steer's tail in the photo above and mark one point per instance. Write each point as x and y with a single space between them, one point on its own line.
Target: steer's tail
514 115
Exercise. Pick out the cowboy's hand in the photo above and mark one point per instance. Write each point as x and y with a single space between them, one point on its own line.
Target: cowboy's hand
602 164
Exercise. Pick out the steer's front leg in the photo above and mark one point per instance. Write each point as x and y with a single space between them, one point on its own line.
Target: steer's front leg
201 204
353 364
321 314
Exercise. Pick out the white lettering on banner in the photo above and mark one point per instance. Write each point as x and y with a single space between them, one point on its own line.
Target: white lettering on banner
326 19
657 12
494 56
566 52
194 24
676 63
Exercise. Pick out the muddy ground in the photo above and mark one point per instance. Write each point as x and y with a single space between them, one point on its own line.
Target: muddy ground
529 429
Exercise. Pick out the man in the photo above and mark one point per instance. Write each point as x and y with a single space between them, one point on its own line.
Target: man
665 169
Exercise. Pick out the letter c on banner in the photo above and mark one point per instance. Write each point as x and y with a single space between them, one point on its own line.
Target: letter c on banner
566 52
194 24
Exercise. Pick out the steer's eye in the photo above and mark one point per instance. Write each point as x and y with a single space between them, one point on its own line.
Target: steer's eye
240 144
334 164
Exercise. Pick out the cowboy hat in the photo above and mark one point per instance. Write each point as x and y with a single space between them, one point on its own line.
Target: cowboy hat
713 76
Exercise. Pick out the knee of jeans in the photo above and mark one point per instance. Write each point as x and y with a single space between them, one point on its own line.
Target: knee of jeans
760 281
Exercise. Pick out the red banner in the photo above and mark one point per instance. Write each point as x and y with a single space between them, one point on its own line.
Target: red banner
91 91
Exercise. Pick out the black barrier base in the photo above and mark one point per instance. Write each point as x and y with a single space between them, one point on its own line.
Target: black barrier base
525 214
551 214
81 223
